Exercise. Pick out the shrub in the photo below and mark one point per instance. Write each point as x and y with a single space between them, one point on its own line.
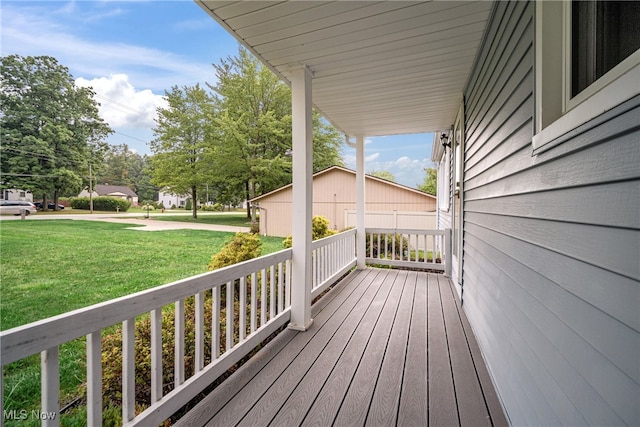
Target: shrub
112 354
218 207
242 247
400 243
187 206
319 229
101 203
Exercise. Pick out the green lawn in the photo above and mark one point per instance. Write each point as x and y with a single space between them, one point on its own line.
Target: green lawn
54 266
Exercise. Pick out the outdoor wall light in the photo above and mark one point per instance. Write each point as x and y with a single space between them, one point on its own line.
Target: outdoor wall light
444 140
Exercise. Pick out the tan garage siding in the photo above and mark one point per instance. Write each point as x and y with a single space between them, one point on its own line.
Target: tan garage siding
334 192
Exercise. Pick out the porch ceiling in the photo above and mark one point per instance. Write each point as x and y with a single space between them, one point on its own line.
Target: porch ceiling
380 68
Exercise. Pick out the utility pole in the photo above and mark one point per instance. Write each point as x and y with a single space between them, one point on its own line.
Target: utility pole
90 191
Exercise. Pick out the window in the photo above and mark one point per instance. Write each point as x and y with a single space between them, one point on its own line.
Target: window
603 34
587 62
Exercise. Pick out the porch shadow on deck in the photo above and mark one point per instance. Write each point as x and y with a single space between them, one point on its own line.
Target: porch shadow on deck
387 347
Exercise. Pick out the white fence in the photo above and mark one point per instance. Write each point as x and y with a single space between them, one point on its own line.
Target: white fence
260 289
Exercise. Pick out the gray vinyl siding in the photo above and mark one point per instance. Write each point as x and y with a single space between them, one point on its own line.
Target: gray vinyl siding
551 244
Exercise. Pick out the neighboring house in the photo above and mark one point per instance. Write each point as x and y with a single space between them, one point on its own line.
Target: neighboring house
388 204
120 191
14 194
170 199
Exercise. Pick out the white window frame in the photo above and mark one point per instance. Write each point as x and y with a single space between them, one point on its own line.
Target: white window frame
556 113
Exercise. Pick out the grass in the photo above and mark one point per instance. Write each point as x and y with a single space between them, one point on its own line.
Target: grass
55 266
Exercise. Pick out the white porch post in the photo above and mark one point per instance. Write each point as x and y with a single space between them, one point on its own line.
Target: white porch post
302 129
360 203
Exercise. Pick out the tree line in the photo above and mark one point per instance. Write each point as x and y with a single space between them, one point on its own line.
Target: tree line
229 141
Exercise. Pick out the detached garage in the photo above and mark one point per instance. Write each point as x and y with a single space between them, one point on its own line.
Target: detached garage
334 196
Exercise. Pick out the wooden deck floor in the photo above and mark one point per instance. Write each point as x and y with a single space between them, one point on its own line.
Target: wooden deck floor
387 347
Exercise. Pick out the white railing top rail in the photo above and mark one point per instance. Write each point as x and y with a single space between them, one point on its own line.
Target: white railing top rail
25 340
330 239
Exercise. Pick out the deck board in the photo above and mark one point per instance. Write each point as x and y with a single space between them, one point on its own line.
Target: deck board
387 347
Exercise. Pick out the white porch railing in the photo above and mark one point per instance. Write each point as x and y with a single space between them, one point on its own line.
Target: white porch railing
263 302
332 257
424 249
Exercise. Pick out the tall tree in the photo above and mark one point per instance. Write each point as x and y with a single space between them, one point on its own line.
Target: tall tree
51 130
183 159
430 183
254 123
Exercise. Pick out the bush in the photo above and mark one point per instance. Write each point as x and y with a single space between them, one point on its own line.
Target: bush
101 203
401 244
242 247
112 355
319 229
187 206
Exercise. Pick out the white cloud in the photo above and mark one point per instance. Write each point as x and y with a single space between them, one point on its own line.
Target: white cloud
122 105
153 68
372 157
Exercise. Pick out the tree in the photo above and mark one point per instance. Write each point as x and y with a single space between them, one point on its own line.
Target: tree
327 142
125 167
430 184
254 124
384 175
51 130
254 121
183 159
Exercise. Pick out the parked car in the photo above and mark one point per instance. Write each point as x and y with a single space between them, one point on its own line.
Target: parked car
50 205
8 207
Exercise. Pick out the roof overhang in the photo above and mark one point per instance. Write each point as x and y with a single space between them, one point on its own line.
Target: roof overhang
379 68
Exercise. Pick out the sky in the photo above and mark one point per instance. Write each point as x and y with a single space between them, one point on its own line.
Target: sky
131 52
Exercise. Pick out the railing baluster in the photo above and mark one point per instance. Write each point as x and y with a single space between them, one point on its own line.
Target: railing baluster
280 286
50 378
94 379
254 298
229 315
272 288
263 297
288 283
128 370
156 355
243 308
178 370
199 356
215 322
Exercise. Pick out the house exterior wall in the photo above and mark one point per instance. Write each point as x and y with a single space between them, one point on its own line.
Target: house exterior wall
14 194
334 192
550 279
169 199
